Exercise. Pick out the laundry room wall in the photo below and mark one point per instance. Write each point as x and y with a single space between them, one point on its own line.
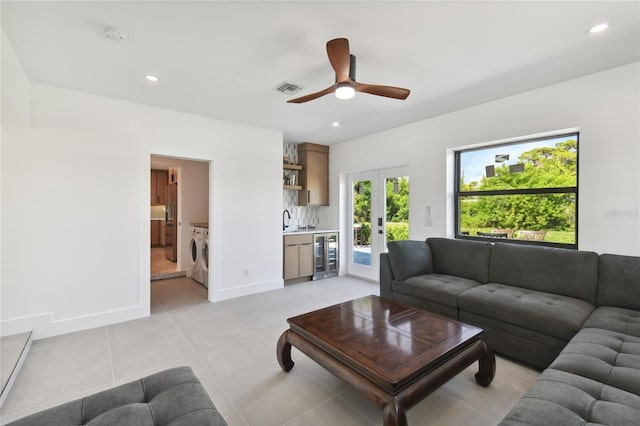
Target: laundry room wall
75 207
193 198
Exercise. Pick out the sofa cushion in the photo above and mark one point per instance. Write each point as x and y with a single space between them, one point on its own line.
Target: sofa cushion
604 356
566 272
461 258
619 281
526 345
560 398
171 397
442 289
620 320
409 258
551 314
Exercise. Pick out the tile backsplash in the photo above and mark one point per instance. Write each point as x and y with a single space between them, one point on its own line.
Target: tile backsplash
157 212
300 215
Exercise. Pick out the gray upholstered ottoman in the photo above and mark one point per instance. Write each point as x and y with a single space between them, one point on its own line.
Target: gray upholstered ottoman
172 397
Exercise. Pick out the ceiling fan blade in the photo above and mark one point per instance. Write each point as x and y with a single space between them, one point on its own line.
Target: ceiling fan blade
312 96
339 57
386 91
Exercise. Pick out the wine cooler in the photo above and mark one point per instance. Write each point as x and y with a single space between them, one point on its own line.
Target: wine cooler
325 255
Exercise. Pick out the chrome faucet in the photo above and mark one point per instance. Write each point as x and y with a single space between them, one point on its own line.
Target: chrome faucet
288 215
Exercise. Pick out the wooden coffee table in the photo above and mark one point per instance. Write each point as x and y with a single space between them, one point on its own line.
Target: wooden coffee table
393 354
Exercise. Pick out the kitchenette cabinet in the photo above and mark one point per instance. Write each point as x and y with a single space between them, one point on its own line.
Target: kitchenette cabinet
298 256
314 176
155 233
159 179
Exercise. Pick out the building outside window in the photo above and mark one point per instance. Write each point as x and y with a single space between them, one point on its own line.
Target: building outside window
524 192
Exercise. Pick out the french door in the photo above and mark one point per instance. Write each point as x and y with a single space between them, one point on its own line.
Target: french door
378 212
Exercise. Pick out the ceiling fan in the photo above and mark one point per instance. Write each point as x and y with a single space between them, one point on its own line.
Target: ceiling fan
344 64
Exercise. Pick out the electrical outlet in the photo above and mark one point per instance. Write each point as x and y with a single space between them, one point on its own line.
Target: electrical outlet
428 221
245 272
427 211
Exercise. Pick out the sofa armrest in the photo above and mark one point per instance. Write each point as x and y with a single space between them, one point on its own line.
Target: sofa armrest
386 275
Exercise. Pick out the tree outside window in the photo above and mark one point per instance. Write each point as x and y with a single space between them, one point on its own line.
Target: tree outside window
525 191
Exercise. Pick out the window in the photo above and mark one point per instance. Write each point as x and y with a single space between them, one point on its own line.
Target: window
525 192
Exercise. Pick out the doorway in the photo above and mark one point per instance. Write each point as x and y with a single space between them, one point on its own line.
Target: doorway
179 203
379 212
164 220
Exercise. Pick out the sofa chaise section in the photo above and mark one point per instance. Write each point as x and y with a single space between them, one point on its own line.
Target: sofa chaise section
596 377
432 274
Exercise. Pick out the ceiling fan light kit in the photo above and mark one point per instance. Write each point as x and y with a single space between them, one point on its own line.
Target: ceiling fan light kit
346 86
345 91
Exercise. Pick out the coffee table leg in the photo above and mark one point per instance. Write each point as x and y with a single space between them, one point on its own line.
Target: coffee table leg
283 352
393 414
487 366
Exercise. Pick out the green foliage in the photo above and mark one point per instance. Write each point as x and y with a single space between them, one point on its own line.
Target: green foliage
397 214
366 233
362 202
545 167
397 231
564 237
398 202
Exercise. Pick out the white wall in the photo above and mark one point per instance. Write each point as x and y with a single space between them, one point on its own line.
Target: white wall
604 106
75 200
193 200
14 86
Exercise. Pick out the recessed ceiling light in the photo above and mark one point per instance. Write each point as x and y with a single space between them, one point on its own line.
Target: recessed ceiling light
598 28
335 124
152 78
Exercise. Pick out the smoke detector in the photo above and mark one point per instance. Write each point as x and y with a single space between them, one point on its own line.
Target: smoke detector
115 35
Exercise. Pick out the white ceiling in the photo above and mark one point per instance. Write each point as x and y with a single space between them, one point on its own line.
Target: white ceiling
223 59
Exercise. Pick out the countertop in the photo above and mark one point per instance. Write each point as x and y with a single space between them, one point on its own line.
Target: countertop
303 231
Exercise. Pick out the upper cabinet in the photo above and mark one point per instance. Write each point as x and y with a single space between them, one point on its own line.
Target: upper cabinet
159 179
314 176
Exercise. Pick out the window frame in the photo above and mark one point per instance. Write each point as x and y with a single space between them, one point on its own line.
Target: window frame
457 194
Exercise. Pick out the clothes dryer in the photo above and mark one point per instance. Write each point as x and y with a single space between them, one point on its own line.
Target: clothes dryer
195 255
204 260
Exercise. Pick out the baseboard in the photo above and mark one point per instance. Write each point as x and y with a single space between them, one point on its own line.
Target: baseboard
45 325
253 288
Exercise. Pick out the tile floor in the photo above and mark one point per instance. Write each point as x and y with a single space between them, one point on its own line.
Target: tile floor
231 347
161 267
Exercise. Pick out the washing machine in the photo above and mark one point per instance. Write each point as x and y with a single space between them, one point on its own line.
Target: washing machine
204 260
195 255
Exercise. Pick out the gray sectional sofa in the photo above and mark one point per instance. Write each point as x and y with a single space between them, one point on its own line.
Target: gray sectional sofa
173 397
575 313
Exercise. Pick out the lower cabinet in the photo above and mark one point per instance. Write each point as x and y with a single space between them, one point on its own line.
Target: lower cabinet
298 256
155 233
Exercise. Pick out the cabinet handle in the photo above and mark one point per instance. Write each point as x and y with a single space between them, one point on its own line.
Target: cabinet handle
308 195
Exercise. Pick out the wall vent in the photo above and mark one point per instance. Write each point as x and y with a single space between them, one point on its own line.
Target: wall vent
288 88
